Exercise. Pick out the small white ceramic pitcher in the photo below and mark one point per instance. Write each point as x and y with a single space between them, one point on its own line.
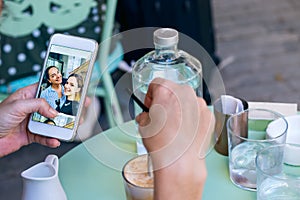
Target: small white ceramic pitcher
41 181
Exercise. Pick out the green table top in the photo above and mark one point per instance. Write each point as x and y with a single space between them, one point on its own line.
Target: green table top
92 170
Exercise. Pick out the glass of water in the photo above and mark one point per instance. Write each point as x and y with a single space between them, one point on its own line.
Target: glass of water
278 172
247 135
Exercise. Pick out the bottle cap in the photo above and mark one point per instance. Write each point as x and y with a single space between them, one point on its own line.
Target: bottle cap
165 37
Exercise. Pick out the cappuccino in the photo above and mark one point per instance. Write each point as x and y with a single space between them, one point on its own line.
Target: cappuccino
138 183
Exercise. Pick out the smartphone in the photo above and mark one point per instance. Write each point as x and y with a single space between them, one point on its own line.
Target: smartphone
63 84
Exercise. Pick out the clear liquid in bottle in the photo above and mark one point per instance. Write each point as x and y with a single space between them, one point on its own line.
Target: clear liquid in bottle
166 61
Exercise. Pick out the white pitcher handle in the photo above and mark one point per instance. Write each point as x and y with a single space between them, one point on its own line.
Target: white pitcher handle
52 160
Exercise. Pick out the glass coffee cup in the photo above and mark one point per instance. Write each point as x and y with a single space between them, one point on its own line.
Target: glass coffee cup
138 182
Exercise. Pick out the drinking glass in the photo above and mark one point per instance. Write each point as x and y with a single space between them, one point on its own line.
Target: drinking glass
138 182
247 134
278 172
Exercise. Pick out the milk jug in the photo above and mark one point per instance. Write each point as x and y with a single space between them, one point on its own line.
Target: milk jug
41 181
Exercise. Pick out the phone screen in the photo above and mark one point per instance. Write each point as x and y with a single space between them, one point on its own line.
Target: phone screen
62 84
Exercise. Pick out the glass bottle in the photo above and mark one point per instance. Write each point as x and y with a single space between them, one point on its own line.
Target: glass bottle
166 61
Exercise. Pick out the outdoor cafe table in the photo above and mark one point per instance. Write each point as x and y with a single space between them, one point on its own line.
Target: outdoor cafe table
92 170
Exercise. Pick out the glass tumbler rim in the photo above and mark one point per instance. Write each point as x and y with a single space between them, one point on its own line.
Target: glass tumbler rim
280 116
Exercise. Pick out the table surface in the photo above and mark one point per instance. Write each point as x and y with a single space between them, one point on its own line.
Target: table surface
92 170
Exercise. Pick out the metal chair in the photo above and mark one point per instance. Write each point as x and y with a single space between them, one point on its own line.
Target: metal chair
112 106
106 88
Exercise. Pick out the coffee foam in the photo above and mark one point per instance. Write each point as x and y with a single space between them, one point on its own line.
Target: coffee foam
136 172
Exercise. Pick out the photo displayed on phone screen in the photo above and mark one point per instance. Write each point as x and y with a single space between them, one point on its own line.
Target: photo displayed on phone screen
62 84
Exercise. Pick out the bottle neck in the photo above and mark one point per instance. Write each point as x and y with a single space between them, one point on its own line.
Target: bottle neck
170 52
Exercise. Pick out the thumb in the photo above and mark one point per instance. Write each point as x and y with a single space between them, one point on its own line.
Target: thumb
29 106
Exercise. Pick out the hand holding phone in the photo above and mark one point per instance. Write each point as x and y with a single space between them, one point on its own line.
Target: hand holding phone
63 84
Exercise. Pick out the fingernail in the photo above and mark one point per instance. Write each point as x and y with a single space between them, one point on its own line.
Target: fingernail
58 144
54 112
